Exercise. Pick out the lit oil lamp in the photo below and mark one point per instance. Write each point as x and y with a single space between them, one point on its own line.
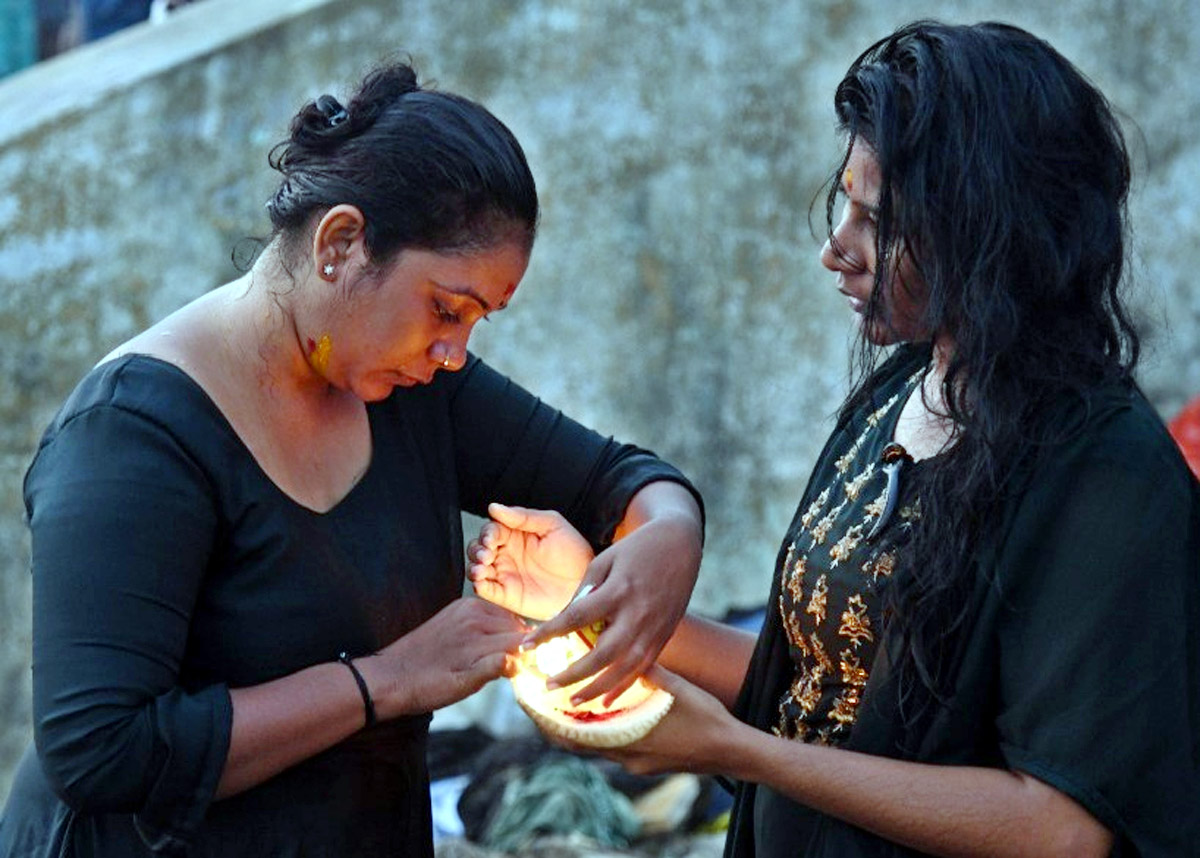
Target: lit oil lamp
630 717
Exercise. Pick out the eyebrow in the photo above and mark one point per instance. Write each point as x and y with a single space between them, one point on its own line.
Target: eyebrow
871 210
468 292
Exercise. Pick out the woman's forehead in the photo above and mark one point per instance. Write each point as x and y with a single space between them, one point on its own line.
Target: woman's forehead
862 171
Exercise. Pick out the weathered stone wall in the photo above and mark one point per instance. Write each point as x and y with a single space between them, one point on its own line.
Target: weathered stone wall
674 297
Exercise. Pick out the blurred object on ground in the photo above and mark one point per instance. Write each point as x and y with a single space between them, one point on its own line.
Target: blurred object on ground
563 795
556 846
521 796
668 806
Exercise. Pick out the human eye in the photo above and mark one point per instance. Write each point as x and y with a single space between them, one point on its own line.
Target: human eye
445 314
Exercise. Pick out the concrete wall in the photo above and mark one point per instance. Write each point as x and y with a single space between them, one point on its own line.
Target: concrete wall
674 297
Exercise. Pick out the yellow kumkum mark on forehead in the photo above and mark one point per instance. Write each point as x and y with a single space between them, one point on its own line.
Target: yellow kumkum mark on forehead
848 179
318 353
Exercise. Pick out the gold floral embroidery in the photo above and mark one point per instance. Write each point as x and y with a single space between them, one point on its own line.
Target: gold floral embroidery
795 579
846 707
792 625
807 691
854 487
791 552
805 695
884 564
877 415
844 546
856 625
844 462
822 701
853 673
821 529
788 728
818 654
814 509
791 724
816 604
875 508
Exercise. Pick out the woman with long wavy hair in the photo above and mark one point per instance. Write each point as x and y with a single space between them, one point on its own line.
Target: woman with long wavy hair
983 636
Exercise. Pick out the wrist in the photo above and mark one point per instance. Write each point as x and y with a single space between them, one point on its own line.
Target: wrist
386 695
746 749
369 716
683 533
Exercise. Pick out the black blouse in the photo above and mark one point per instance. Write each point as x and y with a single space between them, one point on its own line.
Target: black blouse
168 568
1082 666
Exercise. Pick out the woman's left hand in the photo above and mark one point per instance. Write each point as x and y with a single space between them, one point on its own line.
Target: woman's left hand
528 561
691 737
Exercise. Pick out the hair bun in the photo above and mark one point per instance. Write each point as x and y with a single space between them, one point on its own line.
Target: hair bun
319 127
380 89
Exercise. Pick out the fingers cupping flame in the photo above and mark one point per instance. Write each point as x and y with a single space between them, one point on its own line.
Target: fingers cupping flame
630 717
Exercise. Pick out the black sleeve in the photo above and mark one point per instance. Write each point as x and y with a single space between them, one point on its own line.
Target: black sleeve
1100 643
122 524
512 448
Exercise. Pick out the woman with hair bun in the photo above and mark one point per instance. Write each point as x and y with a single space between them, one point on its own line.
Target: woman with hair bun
983 634
247 543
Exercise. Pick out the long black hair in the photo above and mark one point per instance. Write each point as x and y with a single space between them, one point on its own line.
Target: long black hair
429 170
1004 179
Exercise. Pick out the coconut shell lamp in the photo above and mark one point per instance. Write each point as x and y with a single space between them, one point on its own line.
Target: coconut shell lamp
630 717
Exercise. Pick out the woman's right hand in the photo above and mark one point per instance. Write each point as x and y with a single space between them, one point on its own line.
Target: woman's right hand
448 657
692 736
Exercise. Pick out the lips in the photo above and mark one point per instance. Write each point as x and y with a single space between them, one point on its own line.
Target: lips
403 379
858 305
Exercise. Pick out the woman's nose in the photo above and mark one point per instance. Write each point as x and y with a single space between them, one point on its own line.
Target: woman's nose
828 258
450 356
846 250
837 256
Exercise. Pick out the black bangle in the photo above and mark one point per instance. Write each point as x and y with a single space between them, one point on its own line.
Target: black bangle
368 704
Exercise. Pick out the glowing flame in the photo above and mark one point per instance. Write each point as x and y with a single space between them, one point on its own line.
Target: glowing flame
554 656
557 654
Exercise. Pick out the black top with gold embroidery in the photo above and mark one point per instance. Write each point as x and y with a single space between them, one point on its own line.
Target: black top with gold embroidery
831 572
1082 662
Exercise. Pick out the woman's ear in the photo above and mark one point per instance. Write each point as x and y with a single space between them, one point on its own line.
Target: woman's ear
339 240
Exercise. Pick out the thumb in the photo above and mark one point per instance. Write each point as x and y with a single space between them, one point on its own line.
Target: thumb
535 521
660 677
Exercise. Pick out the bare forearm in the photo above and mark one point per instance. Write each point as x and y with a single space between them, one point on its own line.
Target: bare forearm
452 654
941 810
711 655
661 500
280 723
